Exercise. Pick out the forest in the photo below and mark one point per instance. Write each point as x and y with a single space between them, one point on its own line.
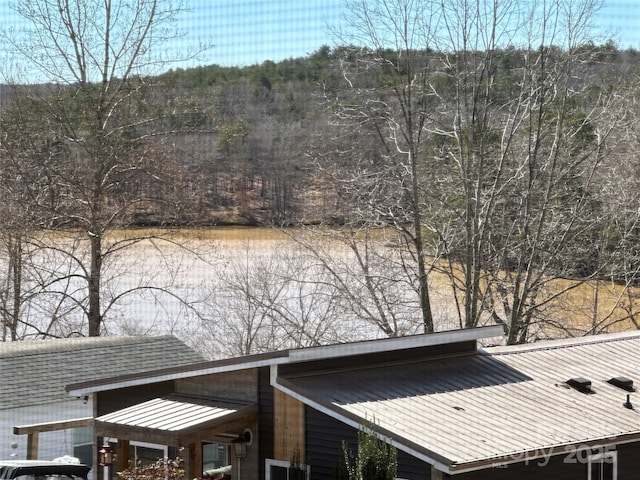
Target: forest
504 167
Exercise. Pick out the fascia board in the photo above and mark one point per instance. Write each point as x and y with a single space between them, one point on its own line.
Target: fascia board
394 344
82 389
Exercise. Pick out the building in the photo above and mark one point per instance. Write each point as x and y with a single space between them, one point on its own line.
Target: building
34 376
559 409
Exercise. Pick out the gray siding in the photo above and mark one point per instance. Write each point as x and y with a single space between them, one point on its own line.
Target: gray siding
324 448
52 444
265 419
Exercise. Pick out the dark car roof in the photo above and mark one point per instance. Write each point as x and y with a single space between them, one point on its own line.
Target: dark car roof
10 469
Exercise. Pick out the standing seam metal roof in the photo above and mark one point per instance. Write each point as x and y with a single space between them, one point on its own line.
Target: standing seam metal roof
172 414
491 405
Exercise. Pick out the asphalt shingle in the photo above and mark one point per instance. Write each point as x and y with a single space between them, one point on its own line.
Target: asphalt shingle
36 372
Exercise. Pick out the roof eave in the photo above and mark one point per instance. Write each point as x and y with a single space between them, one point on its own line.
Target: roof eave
168 374
299 355
541 454
393 344
561 343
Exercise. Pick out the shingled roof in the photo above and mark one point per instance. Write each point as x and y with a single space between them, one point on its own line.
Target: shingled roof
36 372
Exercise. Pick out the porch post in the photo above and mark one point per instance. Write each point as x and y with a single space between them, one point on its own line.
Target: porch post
123 455
194 469
32 445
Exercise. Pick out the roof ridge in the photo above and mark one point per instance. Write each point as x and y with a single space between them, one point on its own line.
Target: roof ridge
25 348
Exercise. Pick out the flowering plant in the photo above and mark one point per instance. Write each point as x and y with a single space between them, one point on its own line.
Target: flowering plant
162 469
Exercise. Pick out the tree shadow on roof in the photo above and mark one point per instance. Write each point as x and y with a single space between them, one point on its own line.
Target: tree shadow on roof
429 377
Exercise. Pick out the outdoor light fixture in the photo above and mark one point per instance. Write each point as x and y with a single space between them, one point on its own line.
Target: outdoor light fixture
106 455
240 444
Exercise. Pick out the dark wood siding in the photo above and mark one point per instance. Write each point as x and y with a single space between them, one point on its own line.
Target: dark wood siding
241 385
113 400
628 461
411 468
556 468
324 437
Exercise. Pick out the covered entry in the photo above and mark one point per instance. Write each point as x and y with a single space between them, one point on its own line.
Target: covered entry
185 422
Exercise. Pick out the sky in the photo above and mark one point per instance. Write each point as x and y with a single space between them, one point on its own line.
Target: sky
246 32
622 17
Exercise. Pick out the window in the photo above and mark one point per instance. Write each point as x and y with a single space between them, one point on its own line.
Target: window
146 453
280 470
83 444
603 466
216 458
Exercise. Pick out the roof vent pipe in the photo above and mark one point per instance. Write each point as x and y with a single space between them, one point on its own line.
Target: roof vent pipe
628 403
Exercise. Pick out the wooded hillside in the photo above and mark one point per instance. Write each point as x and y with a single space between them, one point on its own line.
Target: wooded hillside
261 145
248 141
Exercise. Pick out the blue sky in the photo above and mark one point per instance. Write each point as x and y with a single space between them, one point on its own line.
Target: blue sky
246 32
622 17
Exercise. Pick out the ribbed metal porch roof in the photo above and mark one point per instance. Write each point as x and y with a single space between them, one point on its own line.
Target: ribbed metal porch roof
174 419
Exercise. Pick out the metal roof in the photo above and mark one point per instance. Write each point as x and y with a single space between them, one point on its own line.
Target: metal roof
172 417
299 355
498 405
170 414
35 372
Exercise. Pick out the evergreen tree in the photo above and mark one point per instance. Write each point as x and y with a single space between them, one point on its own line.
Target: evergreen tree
376 458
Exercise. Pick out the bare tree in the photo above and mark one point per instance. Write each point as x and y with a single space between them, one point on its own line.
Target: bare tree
615 291
369 273
13 230
24 187
382 116
274 299
525 159
101 129
476 130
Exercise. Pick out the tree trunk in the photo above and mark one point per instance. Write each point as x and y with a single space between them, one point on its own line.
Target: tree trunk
423 280
95 275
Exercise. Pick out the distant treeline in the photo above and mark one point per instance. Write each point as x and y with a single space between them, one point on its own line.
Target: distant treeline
249 140
252 148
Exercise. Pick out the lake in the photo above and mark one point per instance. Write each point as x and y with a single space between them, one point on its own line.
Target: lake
231 291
